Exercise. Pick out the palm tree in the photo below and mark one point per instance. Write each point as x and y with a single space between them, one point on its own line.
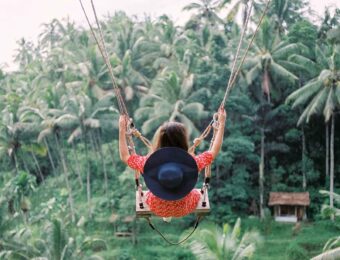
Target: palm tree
172 42
206 11
285 13
322 95
50 34
170 99
267 64
264 121
235 9
214 243
81 116
269 61
24 54
49 128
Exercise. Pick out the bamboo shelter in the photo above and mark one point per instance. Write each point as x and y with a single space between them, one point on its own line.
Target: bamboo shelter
289 206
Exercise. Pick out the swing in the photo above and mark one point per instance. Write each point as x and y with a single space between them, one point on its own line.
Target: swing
203 207
143 210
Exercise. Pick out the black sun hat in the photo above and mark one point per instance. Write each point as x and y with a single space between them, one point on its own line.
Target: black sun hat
170 173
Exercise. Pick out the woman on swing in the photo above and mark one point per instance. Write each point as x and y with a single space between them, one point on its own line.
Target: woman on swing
170 172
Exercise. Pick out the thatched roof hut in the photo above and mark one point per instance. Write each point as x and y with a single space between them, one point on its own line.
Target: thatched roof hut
289 198
289 206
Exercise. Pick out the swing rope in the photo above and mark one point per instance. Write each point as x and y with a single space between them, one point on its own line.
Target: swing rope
132 131
232 80
234 72
231 83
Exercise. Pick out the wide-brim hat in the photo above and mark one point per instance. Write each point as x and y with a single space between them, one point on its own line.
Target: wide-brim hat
170 173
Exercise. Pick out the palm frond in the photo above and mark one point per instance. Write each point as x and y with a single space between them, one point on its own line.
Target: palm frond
337 92
286 51
253 73
302 95
44 133
325 76
191 6
195 111
307 64
91 123
328 255
313 107
187 85
321 58
335 195
281 72
153 123
66 121
330 105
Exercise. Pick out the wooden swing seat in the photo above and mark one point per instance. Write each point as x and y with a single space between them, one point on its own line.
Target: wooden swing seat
145 212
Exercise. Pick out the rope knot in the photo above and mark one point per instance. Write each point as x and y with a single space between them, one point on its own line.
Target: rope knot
135 133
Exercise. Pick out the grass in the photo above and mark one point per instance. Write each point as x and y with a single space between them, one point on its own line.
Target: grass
278 238
311 238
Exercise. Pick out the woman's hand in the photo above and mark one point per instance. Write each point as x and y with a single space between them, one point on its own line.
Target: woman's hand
123 148
123 121
216 146
222 115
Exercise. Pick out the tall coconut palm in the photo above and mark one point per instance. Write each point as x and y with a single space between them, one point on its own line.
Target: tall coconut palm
205 11
235 8
80 116
268 61
285 13
267 64
50 34
24 55
214 243
35 115
170 99
322 95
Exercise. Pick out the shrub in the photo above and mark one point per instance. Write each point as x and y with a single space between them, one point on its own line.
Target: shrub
296 252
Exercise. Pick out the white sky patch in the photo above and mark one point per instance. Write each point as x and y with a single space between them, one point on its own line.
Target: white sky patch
23 19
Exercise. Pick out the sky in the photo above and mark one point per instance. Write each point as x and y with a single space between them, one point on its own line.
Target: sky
23 18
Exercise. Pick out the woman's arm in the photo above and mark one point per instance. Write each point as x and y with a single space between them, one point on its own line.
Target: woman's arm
216 146
123 147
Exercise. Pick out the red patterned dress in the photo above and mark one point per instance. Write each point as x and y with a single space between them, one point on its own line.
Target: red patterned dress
174 208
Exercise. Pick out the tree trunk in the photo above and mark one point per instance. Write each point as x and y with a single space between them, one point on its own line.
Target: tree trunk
15 162
327 150
101 155
331 177
304 178
38 166
65 170
88 176
50 157
111 155
94 148
24 162
261 175
77 165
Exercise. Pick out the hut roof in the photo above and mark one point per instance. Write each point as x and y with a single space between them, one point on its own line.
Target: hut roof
289 198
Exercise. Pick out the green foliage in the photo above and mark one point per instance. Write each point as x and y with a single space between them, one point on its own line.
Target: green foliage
215 243
296 252
59 122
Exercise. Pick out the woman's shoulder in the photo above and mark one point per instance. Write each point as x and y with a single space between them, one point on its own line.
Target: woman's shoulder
203 159
137 162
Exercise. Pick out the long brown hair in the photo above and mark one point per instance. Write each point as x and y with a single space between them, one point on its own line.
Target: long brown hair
171 134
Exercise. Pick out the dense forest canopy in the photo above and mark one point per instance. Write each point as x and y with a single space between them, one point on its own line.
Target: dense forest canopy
59 160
